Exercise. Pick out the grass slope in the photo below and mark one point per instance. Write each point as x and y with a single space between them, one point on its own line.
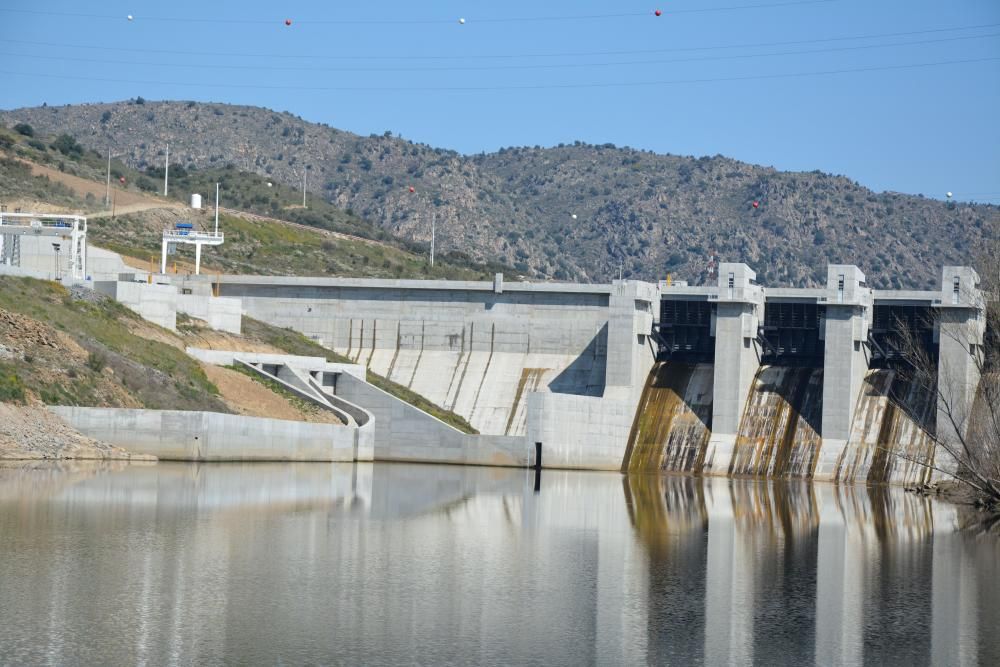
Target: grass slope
111 367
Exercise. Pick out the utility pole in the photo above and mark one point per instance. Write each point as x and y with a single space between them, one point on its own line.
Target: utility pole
433 232
304 172
166 171
216 209
107 192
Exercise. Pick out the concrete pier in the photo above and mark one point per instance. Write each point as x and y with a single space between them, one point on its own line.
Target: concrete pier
739 305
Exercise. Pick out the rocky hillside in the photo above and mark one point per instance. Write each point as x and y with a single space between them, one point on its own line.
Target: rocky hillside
577 212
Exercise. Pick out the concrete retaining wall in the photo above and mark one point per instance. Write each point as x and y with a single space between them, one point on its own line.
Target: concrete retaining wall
579 431
404 433
211 436
156 303
222 314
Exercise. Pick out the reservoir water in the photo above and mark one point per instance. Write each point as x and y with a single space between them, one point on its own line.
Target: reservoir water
290 564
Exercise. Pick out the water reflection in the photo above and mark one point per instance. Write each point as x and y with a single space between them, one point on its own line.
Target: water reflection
352 564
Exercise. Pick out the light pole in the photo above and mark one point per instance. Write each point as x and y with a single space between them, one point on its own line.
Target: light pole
107 192
58 271
166 171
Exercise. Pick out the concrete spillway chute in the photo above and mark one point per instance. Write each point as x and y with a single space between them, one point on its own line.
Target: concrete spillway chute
14 226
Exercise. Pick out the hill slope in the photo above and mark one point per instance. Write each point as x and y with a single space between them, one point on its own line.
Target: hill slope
319 241
646 213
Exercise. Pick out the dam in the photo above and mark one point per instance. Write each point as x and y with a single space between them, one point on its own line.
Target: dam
727 379
730 378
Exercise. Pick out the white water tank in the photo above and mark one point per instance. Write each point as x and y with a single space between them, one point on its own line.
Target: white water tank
196 201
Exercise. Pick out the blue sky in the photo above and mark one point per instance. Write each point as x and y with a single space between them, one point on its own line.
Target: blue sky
527 73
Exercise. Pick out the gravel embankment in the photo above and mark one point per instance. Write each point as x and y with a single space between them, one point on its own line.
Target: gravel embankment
32 432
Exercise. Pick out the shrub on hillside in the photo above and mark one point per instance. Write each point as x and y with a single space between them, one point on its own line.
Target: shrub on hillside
11 387
67 145
25 129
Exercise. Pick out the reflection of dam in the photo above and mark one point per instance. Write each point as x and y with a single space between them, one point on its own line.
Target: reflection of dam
394 563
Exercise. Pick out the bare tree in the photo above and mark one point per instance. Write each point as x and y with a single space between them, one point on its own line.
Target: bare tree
967 390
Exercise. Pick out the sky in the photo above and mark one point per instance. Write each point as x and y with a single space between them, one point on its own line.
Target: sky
897 95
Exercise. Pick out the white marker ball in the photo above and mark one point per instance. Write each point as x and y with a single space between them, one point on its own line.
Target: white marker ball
574 216
129 17
948 195
461 21
269 184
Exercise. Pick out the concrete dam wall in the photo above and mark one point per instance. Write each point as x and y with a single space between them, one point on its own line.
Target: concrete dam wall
474 348
725 379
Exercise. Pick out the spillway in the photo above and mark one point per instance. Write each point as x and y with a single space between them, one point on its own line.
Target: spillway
673 421
779 433
891 434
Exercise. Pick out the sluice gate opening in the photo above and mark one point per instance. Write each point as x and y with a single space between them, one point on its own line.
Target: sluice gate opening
686 331
792 334
779 434
892 436
899 331
672 423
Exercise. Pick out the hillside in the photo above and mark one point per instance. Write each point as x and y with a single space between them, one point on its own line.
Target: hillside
321 240
646 213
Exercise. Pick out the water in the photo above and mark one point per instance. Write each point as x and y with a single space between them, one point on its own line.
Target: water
414 564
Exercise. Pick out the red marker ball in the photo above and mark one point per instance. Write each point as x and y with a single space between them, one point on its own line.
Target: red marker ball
122 180
412 189
288 21
658 12
756 204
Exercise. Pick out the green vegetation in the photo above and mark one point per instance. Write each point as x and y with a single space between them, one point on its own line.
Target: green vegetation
16 181
156 374
11 386
263 247
253 246
292 342
67 145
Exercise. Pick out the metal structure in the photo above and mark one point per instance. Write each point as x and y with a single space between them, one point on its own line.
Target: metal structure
184 232
72 228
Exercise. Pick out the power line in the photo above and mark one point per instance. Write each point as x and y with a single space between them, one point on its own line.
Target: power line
394 21
569 54
452 68
559 86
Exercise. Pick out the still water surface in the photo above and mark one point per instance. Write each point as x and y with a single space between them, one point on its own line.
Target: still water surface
415 564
